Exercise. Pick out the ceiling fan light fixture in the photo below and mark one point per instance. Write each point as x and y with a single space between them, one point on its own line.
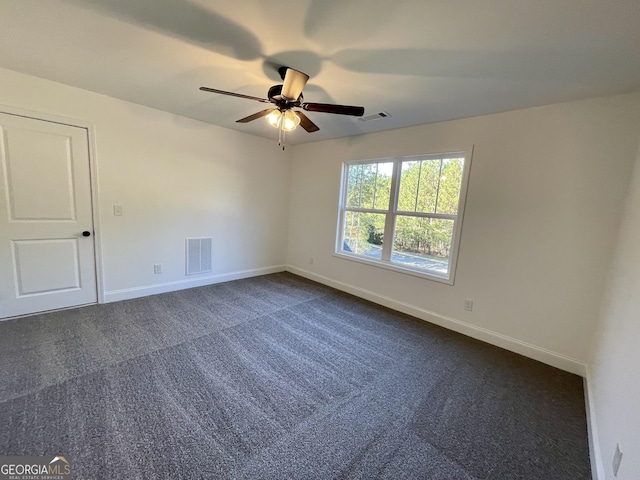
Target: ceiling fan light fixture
290 121
274 118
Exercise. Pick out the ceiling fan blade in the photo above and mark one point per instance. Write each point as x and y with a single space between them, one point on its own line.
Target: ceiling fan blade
232 94
331 108
307 124
255 116
294 82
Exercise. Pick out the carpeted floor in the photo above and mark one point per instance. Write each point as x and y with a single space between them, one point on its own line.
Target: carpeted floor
277 377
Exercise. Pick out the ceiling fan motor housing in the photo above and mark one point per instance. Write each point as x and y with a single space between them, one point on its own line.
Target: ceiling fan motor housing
275 96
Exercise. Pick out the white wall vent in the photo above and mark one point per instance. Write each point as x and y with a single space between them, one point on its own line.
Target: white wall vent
374 116
198 255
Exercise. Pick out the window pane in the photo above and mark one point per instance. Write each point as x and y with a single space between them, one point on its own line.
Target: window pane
362 234
428 188
450 183
431 186
369 185
423 243
409 176
419 186
383 185
353 185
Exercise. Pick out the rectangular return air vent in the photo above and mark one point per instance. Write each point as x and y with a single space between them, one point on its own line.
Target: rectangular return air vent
374 116
198 255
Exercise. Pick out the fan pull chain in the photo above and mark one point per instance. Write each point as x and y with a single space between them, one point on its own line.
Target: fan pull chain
281 133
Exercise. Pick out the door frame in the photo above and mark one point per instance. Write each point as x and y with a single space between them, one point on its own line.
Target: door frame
93 178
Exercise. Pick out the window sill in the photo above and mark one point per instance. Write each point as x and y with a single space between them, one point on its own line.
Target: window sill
424 274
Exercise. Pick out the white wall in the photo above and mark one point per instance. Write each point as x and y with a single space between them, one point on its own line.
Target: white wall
545 191
613 378
175 178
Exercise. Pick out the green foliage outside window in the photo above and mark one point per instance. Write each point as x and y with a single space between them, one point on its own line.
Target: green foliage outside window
428 186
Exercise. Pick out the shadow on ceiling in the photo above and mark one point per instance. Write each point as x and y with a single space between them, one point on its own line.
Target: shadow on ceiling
185 20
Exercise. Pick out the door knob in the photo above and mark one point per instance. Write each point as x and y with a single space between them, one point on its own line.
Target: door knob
86 233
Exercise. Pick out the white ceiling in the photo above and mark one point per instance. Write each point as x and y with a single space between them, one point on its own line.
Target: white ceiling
419 60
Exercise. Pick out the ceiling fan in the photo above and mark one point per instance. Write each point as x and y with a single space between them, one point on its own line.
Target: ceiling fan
285 98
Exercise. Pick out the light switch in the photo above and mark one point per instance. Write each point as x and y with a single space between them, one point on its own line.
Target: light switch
117 210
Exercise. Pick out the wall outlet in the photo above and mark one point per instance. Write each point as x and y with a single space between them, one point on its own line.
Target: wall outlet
117 210
310 260
468 304
157 268
617 458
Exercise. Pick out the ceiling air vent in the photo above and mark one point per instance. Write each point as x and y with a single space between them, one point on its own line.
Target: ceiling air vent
374 116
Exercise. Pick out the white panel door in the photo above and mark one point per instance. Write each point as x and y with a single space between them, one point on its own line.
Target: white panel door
47 257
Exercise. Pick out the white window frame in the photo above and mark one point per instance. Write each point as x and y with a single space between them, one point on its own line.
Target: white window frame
392 213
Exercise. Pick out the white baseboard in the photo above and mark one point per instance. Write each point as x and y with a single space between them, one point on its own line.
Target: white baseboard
508 343
595 454
135 292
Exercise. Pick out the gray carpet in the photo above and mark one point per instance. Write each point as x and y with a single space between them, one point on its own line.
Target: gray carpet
277 377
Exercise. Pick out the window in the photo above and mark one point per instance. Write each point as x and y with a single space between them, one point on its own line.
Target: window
405 213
